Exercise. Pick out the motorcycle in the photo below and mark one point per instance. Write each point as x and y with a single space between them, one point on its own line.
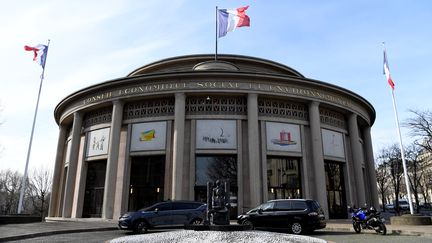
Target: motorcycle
367 219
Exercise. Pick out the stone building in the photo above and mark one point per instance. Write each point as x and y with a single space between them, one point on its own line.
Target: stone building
170 126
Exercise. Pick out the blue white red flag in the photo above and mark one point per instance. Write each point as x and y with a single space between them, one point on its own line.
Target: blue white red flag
387 71
40 53
230 19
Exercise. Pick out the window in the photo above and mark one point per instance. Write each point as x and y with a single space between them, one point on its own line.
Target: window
299 205
283 178
283 205
335 190
164 206
212 168
267 206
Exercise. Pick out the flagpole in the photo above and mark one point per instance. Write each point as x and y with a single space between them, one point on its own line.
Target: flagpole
407 185
23 181
402 154
216 34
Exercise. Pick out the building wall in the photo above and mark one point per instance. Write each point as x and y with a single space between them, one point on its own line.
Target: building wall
251 100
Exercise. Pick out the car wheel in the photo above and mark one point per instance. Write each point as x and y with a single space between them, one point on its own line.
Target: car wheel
140 227
196 222
248 224
296 228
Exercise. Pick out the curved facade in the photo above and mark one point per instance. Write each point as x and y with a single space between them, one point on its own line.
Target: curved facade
168 127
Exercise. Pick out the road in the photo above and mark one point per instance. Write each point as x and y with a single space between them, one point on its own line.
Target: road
104 236
348 237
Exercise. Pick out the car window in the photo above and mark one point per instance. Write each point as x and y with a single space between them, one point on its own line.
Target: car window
185 205
298 205
283 205
267 206
314 205
164 206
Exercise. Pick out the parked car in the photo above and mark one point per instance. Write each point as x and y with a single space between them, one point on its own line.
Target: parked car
298 215
164 214
389 206
426 206
403 204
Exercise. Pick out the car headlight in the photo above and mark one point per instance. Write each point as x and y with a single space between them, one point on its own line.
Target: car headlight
125 216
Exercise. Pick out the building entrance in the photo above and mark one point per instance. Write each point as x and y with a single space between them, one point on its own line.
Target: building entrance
212 168
335 190
146 181
283 178
94 191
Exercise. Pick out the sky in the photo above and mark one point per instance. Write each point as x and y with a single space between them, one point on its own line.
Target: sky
338 42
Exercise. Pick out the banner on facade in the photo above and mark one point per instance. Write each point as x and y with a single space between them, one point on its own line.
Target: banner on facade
97 142
283 137
148 136
332 143
216 134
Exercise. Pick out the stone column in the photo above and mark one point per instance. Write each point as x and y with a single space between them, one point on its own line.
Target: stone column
178 146
113 154
371 165
72 168
318 157
357 159
58 168
253 151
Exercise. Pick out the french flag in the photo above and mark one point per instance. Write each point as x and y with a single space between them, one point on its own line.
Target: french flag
387 71
230 19
40 53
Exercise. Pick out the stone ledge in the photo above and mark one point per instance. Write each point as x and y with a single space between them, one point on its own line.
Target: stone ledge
409 219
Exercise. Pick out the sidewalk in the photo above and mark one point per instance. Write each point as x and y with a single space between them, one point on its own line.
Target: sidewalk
11 232
345 225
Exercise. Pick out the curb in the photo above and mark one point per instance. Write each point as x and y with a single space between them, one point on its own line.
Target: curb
58 232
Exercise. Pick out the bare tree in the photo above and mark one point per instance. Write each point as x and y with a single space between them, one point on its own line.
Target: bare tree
421 128
382 176
40 185
10 187
414 164
392 157
426 182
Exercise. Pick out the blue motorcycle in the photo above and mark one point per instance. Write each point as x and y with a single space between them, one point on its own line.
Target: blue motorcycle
367 219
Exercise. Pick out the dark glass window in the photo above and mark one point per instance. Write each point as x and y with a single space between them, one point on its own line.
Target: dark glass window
299 205
283 205
335 190
164 206
267 206
283 178
212 168
146 181
95 184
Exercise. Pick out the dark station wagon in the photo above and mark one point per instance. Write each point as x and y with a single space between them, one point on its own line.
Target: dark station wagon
164 214
297 215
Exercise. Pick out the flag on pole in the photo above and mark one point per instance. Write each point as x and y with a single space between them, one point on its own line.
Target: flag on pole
230 19
387 71
40 53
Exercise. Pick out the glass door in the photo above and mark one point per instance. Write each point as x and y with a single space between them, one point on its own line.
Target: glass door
283 178
94 191
146 181
212 168
335 190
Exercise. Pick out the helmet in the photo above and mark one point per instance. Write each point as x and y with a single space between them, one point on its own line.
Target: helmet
372 209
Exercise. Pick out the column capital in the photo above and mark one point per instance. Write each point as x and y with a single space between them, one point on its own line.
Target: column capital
118 102
314 103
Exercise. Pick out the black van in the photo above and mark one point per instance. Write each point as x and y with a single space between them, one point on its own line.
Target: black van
298 215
